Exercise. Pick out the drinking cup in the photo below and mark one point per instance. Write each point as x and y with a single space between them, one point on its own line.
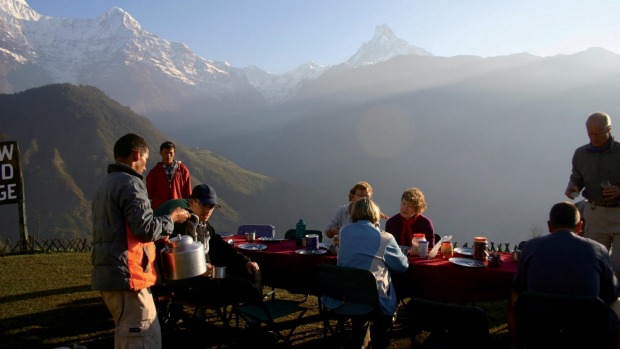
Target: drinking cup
424 249
250 236
219 272
494 260
312 242
605 183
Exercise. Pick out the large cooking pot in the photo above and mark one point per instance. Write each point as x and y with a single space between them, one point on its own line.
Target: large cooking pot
184 258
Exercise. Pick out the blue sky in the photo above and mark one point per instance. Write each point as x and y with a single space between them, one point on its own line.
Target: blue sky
279 35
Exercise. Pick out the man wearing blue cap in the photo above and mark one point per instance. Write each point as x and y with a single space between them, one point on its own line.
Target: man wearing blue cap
241 271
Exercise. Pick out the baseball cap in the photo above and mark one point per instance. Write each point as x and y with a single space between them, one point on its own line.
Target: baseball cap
205 194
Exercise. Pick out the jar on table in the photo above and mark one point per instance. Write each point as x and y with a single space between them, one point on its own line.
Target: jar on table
415 243
480 248
446 249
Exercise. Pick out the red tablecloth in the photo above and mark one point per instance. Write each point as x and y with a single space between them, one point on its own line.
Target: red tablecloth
439 279
435 279
281 267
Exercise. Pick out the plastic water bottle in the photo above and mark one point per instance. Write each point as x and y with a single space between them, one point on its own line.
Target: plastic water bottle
300 231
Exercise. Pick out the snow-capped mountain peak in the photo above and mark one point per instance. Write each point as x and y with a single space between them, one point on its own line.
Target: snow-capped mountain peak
277 88
383 46
18 9
116 18
113 49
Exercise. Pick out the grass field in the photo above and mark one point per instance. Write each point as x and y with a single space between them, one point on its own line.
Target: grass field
46 302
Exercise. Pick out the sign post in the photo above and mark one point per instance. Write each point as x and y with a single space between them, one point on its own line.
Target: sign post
12 187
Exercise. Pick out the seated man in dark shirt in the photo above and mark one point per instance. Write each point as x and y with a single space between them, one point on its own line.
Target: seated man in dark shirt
563 262
242 274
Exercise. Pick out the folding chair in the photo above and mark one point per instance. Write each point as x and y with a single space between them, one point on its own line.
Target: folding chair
262 230
268 310
171 306
349 285
564 321
442 325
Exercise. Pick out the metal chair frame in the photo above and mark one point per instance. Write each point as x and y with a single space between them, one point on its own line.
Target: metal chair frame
268 310
443 325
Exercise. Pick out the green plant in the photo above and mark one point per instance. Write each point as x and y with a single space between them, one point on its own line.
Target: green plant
536 231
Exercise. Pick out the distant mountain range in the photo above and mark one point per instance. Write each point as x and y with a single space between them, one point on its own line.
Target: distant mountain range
488 140
66 135
156 74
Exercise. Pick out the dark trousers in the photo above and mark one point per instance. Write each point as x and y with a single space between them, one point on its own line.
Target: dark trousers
374 328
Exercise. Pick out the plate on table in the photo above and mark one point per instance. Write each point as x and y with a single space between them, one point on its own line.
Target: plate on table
467 262
268 240
225 234
313 252
465 251
252 247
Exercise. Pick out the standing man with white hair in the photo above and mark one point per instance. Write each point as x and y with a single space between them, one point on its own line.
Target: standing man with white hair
596 170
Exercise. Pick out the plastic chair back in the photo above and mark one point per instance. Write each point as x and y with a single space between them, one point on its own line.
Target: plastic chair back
564 321
348 285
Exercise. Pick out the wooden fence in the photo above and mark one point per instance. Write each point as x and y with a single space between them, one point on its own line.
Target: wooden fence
32 245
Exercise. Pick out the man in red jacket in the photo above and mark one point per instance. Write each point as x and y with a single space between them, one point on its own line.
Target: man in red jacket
169 179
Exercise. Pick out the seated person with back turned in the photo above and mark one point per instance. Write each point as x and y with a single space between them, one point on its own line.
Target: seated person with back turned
563 262
410 219
364 246
342 216
242 274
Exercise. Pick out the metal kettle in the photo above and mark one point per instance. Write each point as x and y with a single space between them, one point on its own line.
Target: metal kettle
183 258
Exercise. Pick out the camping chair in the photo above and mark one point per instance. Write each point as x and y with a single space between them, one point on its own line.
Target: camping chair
442 325
291 234
564 321
350 285
262 230
271 311
173 302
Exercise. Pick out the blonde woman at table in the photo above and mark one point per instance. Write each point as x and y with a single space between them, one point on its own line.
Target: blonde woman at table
364 246
342 216
410 219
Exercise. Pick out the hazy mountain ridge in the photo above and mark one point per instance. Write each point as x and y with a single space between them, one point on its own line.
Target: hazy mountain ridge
488 140
66 135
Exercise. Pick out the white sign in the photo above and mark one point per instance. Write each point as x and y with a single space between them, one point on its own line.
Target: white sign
10 178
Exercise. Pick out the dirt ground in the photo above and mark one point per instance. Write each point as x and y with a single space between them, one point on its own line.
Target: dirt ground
210 332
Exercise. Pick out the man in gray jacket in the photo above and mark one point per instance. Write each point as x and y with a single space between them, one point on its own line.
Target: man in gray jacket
123 257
